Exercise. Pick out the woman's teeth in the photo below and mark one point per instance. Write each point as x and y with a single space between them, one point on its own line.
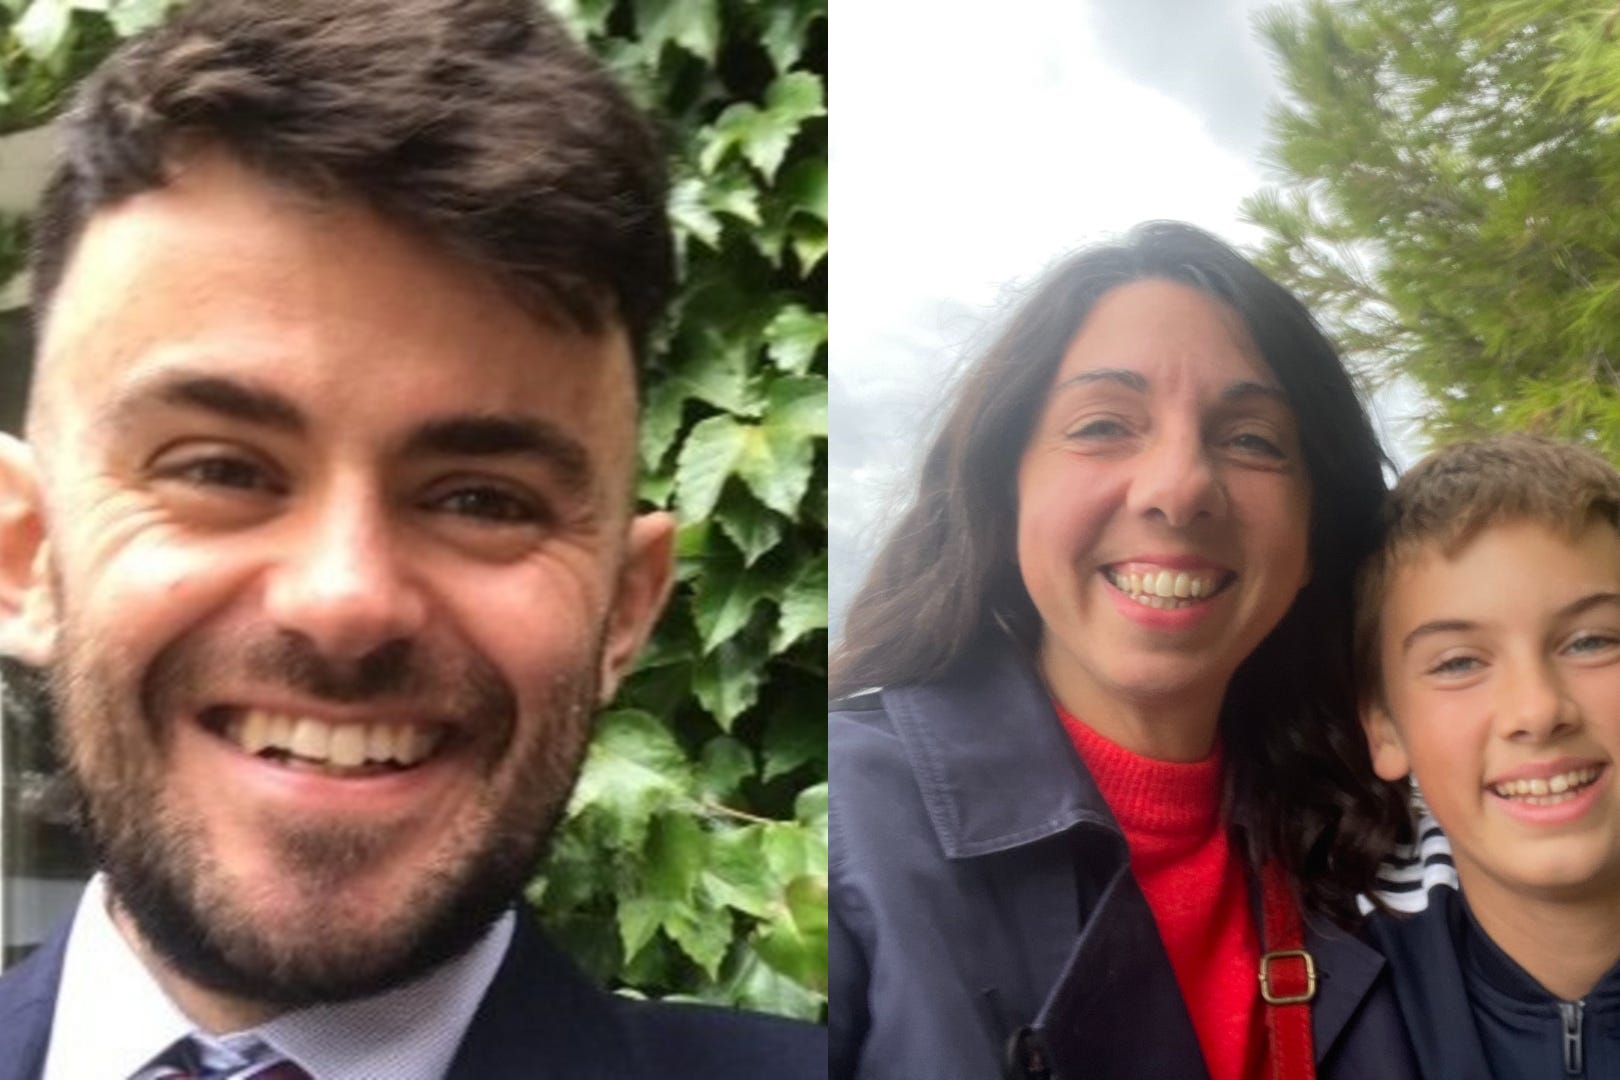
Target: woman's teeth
1550 790
342 746
1164 589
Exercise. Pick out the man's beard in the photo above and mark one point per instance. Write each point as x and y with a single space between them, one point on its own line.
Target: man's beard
177 894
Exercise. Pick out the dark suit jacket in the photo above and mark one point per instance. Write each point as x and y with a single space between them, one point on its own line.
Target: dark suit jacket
540 1018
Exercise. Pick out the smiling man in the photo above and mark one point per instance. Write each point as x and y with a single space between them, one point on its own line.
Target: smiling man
325 536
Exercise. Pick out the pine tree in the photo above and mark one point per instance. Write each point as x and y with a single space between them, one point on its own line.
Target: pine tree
1451 206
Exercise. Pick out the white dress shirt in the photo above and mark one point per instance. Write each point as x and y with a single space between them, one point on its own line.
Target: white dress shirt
112 1018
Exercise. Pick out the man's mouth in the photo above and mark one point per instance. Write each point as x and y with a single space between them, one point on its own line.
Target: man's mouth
340 749
1548 791
1168 589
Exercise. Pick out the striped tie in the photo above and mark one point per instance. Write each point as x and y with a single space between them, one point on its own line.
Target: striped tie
184 1062
281 1070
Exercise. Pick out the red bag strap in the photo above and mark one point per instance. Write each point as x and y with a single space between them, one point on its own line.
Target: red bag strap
1287 978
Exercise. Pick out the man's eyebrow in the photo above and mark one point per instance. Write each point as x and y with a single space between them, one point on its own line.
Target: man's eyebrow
209 393
1131 380
504 436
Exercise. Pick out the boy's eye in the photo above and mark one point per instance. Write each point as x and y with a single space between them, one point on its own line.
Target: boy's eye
1456 665
1588 643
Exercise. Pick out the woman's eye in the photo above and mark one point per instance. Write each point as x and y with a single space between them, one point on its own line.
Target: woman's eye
1251 443
1101 428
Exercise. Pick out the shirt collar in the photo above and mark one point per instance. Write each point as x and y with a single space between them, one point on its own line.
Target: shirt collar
112 1017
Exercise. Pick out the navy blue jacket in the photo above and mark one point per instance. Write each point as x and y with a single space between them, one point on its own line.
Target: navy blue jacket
1475 1014
539 1018
983 907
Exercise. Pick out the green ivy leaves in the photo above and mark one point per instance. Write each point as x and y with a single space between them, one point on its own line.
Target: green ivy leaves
705 874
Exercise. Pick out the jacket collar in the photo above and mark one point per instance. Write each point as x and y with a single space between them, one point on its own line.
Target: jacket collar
540 1001
997 771
996 768
27 1004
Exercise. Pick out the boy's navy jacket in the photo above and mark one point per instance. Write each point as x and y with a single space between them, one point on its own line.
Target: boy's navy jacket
539 1018
984 918
1475 1014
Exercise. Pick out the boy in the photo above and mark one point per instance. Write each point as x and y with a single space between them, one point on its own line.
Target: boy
1488 642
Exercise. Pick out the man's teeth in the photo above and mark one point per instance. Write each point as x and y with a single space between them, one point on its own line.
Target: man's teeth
1549 790
1165 588
345 746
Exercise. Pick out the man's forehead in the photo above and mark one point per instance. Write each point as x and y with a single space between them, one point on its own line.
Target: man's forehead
231 273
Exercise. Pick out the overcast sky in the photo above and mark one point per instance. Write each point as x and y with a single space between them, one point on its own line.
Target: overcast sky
973 146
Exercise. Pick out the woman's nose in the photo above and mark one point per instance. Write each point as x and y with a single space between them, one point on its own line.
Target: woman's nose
342 584
1176 481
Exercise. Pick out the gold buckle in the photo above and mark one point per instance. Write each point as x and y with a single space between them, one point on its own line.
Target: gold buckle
1287 999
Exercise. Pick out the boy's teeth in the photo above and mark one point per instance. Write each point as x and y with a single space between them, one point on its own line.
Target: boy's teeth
343 746
1542 791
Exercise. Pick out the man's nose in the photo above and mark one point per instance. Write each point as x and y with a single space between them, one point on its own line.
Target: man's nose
1175 480
342 581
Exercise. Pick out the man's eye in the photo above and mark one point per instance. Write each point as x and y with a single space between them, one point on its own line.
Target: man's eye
491 504
220 471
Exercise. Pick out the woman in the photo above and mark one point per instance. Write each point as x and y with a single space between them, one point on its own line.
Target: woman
1115 732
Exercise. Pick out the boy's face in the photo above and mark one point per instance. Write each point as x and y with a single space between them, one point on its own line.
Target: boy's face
1502 686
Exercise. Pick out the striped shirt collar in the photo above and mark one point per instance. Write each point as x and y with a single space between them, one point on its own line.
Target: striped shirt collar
112 1018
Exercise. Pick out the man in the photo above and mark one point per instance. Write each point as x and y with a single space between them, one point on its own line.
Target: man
324 533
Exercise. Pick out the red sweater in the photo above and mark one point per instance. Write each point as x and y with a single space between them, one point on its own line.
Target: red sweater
1196 888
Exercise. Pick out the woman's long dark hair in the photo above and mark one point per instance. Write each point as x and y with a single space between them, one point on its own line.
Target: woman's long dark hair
1299 786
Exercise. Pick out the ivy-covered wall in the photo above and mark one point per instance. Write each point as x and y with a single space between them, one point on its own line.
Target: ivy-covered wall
694 860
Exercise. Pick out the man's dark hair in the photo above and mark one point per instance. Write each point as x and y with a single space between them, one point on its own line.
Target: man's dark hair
478 123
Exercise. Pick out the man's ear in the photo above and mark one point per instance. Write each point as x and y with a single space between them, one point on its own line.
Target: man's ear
27 607
645 578
1384 745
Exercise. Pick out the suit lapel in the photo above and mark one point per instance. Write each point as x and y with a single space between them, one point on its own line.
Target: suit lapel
27 1007
541 1016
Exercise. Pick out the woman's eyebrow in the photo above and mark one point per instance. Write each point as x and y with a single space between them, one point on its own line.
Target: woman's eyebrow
1246 389
1131 380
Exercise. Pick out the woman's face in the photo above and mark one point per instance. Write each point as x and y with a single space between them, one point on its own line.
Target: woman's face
1163 505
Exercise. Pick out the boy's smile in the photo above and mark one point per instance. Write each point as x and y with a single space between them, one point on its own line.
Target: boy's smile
1502 697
